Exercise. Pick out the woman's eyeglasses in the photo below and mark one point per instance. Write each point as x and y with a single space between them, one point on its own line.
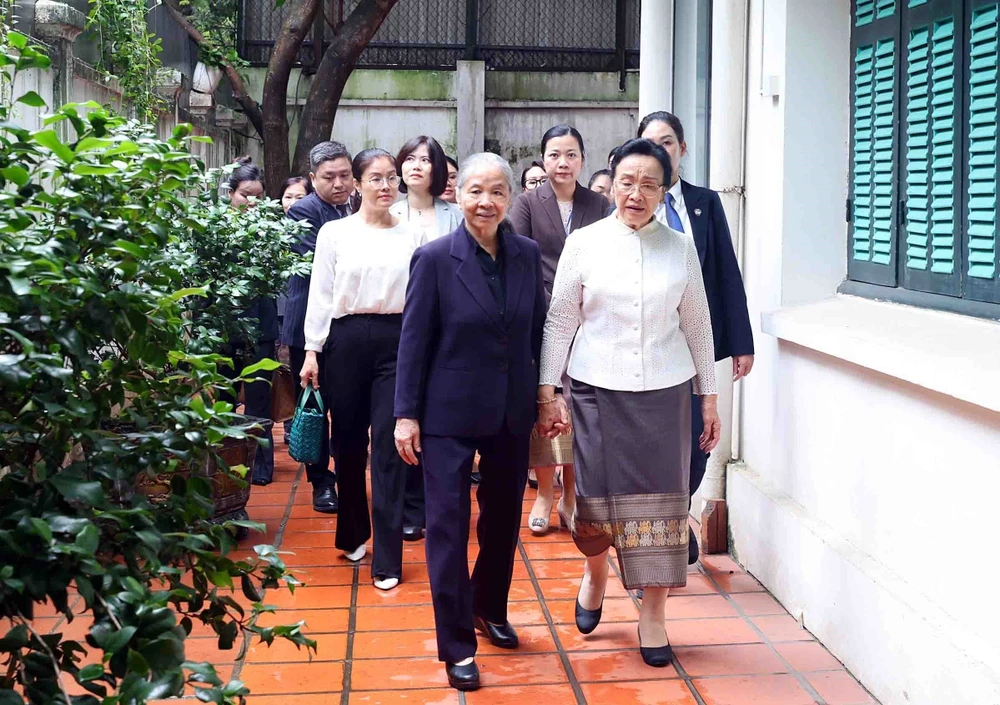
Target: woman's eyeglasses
534 183
646 190
377 182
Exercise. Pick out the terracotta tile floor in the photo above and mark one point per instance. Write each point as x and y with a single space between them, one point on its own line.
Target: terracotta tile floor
734 644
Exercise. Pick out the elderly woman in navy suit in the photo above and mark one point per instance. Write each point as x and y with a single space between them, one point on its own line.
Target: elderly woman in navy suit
467 378
697 212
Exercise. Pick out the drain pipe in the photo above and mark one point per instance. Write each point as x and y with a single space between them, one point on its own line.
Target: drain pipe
730 28
736 447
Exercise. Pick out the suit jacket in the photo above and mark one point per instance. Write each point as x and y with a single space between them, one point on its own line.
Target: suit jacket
317 213
448 216
727 299
535 214
463 370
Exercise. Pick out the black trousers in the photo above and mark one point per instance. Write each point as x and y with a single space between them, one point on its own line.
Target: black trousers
447 480
414 506
319 474
360 386
256 402
699 458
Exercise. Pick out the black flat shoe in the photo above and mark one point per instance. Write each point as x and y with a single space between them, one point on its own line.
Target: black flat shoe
655 656
463 677
503 637
325 500
587 620
476 478
533 484
413 533
258 482
692 548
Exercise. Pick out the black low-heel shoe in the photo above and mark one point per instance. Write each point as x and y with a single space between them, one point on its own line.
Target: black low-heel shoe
655 656
533 484
587 620
502 637
463 677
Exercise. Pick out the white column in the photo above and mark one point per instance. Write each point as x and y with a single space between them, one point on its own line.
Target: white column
656 56
470 90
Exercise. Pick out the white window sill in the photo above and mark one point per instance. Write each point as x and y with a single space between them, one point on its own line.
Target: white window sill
948 353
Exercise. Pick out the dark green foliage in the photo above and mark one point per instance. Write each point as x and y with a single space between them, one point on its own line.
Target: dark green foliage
108 375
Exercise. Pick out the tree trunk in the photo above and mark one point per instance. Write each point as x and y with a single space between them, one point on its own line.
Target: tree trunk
274 106
320 110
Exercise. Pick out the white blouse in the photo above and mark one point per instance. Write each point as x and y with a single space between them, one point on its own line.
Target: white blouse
357 269
448 217
632 305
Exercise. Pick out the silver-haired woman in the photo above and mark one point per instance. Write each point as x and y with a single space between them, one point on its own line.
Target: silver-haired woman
467 376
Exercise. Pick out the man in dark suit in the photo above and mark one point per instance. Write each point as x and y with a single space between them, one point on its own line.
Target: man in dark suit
467 381
330 173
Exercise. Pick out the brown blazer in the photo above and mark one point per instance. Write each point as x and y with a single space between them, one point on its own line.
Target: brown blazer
535 214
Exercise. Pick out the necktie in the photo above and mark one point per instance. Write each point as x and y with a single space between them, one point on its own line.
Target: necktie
673 220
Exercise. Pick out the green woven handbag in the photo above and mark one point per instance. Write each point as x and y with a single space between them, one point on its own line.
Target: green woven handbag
305 442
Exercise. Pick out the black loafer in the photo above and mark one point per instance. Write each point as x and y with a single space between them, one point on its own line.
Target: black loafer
533 484
502 637
413 533
587 620
325 500
463 677
692 548
476 478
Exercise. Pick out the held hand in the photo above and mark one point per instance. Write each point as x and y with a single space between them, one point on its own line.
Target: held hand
310 371
407 435
713 426
553 417
742 364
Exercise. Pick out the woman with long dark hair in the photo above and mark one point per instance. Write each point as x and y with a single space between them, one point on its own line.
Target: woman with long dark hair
353 318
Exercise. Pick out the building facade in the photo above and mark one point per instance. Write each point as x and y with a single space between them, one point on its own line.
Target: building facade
866 442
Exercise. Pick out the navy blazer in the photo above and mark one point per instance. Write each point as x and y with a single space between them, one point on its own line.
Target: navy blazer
727 299
462 370
317 213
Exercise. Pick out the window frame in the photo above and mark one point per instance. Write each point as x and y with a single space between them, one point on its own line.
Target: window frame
956 291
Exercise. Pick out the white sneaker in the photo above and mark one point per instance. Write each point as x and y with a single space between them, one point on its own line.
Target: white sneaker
357 554
386 583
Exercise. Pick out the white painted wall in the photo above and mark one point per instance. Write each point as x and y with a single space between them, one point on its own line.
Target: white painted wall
846 505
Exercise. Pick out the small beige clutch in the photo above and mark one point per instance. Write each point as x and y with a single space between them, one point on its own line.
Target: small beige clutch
545 452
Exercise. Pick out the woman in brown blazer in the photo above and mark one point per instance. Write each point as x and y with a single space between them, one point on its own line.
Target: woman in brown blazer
547 215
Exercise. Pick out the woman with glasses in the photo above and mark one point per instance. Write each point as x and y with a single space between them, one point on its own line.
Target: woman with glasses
630 301
533 177
353 318
548 214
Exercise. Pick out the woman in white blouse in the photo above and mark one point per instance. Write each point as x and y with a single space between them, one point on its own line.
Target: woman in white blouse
629 298
353 318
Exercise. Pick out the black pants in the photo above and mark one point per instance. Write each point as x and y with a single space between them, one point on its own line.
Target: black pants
360 386
257 402
447 480
319 474
414 506
699 458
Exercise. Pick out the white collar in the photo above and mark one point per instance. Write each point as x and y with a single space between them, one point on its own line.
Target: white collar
650 227
676 192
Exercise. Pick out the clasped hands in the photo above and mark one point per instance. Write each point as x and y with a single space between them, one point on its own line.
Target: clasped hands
553 414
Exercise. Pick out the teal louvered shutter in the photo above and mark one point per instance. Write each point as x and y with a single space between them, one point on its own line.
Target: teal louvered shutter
930 153
874 184
982 250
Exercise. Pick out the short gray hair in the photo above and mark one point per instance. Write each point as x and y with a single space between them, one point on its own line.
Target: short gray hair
327 152
482 160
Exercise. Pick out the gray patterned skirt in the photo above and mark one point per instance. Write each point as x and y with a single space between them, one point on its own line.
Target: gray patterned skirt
633 456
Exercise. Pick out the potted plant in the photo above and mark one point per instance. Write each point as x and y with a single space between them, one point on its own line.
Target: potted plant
94 311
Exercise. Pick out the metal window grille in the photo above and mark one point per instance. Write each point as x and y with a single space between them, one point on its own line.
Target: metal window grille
512 35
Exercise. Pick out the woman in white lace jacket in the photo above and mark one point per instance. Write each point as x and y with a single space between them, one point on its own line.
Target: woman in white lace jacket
629 298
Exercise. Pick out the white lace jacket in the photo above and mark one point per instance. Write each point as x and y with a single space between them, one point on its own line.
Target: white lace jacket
632 304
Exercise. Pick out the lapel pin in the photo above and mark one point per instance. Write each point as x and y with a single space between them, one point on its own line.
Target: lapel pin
697 211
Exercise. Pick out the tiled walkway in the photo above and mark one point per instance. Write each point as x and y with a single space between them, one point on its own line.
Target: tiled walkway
734 643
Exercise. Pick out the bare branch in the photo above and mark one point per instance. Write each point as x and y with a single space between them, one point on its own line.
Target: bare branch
52 657
240 92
